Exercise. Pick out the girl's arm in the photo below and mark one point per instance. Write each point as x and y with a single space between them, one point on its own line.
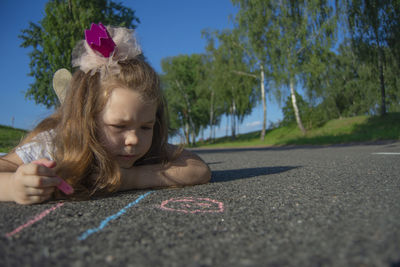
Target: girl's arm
10 162
8 166
187 169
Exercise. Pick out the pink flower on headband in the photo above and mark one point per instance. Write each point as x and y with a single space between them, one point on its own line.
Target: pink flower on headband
103 49
100 40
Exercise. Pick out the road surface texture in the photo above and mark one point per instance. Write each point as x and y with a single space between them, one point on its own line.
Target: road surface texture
289 206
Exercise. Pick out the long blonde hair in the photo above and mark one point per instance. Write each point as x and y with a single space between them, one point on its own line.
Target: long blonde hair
77 147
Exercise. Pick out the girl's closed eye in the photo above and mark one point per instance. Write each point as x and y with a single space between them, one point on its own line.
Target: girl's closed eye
147 127
122 127
117 126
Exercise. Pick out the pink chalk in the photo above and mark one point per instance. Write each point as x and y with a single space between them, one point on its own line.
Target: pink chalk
66 188
63 186
32 221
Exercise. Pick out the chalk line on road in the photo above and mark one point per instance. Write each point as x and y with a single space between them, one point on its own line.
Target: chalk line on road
386 153
35 219
112 217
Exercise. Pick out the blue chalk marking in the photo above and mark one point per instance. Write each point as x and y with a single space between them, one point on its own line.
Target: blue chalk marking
112 217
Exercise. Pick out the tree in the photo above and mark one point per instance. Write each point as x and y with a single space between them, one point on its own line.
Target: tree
54 37
393 30
232 76
186 94
347 87
312 116
253 19
216 105
287 34
375 30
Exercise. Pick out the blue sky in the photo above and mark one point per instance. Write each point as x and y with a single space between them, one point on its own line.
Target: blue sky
167 28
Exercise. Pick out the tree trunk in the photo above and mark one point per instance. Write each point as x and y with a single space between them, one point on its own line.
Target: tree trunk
264 103
214 133
295 108
382 80
233 120
381 60
211 115
189 112
187 133
227 124
193 138
191 124
193 130
237 127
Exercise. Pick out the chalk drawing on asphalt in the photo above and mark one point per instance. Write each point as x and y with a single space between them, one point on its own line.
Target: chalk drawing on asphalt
192 205
112 217
185 205
34 220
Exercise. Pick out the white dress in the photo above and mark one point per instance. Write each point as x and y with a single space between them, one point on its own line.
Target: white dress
41 146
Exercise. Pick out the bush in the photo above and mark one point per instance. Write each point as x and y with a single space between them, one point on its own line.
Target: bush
312 117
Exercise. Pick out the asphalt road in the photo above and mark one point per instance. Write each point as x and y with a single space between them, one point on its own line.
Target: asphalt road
292 206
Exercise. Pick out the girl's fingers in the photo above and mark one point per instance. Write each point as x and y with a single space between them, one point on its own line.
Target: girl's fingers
32 191
37 169
33 199
37 199
41 182
45 162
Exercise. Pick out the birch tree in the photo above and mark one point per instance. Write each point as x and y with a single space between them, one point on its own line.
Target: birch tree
285 34
232 77
252 18
216 103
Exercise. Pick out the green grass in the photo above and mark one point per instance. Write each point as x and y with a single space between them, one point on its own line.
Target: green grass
339 131
10 137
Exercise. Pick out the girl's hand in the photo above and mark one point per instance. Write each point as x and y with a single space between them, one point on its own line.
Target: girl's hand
34 182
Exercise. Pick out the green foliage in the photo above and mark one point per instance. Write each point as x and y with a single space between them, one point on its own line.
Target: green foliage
346 87
312 116
237 91
289 36
53 38
375 30
201 88
187 97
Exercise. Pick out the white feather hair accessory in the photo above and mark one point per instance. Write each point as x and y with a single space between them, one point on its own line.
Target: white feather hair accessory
103 48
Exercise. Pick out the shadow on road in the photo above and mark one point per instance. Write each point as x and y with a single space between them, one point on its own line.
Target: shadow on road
231 175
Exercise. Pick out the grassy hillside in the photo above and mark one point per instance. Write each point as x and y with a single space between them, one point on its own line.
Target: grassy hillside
10 137
346 130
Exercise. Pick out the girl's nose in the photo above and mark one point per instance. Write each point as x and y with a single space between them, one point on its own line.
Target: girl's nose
131 138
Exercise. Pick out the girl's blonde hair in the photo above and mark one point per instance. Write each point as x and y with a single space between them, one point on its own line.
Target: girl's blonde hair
81 158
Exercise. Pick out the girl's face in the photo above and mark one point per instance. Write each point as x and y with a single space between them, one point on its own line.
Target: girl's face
126 126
